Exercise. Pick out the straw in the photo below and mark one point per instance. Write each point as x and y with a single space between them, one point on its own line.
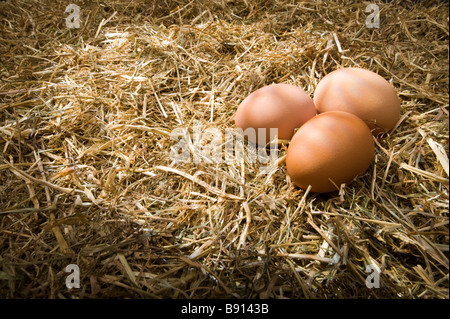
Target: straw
88 118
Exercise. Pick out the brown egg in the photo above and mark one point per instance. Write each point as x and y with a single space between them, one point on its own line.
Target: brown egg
282 106
361 92
333 146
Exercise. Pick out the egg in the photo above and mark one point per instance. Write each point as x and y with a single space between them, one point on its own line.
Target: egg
361 92
330 149
281 106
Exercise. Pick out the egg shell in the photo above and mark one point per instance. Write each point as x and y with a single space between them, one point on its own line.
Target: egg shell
361 92
333 145
282 106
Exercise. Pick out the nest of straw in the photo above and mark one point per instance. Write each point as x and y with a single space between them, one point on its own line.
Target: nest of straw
87 178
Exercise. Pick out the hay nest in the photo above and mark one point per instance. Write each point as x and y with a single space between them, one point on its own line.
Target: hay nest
87 177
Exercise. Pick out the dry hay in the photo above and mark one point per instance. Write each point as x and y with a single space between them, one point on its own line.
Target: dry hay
87 178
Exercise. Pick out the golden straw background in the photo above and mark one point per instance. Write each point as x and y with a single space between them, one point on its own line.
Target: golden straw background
86 176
